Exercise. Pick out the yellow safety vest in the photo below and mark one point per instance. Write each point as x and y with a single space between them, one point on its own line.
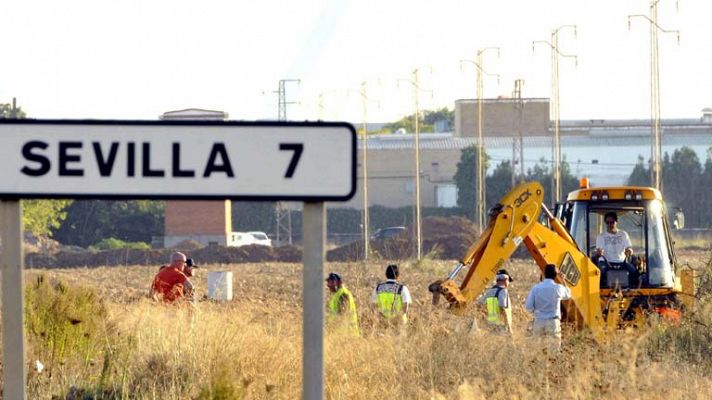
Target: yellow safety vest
389 300
492 303
350 314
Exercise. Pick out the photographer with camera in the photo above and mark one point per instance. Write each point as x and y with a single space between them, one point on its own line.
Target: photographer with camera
172 282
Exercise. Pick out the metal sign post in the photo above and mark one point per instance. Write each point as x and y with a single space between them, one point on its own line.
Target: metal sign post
13 318
313 277
274 161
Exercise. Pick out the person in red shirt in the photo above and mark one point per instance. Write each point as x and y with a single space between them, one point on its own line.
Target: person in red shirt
171 282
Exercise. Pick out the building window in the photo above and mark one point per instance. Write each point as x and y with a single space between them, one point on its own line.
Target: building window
446 195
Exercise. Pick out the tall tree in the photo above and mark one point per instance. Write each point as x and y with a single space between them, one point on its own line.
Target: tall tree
685 184
640 176
40 217
705 200
431 117
569 182
681 175
7 111
254 216
466 181
90 221
426 121
542 173
499 183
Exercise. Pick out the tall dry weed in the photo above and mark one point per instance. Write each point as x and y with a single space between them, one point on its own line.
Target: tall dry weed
251 348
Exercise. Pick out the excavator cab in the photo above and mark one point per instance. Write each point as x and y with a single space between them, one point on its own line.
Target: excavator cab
641 215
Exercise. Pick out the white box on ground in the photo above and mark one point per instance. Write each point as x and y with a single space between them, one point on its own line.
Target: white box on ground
220 285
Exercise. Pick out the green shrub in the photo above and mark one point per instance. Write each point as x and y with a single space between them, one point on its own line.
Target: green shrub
690 340
222 387
114 244
63 322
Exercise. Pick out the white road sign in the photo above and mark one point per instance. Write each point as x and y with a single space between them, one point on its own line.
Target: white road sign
152 159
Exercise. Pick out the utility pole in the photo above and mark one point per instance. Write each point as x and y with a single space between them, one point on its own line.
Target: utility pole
554 107
418 233
364 163
480 167
283 214
418 219
518 142
14 108
656 177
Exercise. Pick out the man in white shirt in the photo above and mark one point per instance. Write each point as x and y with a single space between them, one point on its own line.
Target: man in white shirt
614 244
544 300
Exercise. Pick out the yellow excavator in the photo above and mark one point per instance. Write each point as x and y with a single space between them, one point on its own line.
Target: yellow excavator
605 295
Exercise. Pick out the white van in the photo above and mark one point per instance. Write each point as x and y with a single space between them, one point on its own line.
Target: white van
261 238
238 239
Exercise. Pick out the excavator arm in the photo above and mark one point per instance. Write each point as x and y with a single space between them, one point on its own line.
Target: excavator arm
515 221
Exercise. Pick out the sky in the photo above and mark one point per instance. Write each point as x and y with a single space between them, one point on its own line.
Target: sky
137 59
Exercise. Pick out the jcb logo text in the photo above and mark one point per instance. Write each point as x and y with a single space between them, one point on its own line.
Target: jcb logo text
522 198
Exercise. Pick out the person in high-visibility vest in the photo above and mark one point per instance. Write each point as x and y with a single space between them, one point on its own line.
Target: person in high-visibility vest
498 305
392 298
341 307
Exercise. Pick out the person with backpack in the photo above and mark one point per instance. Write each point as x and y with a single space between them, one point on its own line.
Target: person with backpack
498 305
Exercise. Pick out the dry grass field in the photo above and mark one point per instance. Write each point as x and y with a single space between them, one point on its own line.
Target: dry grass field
99 337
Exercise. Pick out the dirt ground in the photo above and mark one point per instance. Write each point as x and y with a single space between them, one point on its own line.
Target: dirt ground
282 282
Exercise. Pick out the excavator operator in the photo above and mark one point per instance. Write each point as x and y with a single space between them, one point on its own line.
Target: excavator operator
613 249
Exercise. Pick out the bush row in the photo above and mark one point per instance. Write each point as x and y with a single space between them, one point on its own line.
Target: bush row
444 238
251 216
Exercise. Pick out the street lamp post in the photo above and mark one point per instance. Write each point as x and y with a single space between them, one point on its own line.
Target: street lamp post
554 106
481 170
655 129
